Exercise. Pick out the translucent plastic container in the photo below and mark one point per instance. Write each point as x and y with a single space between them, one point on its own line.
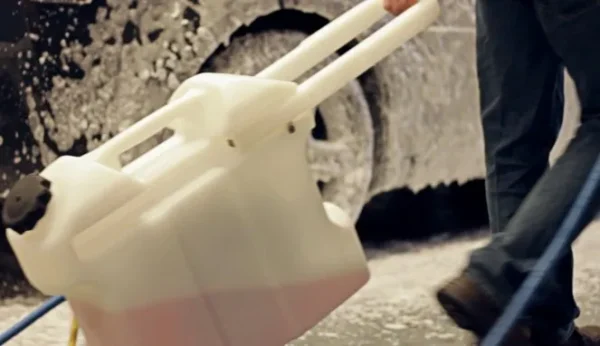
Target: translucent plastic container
219 235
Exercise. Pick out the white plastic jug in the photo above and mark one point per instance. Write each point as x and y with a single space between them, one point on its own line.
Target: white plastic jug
218 236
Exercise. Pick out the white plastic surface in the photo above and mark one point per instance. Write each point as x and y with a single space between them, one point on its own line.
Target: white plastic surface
218 236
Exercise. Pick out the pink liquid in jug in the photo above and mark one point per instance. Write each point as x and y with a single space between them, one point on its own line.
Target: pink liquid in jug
270 316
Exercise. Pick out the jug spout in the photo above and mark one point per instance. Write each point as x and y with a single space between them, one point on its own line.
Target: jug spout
43 213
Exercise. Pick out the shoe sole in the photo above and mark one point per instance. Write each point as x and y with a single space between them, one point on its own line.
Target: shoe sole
471 321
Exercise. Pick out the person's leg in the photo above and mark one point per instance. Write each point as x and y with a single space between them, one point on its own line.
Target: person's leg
572 28
521 97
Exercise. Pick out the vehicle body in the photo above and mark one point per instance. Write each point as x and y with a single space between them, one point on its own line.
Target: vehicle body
95 67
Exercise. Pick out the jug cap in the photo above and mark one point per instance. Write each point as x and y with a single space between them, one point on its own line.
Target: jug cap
26 203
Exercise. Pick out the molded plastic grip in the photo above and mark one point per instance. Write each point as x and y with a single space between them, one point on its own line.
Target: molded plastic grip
348 26
363 56
109 153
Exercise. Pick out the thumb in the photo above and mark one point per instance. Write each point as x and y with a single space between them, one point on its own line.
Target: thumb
396 7
392 6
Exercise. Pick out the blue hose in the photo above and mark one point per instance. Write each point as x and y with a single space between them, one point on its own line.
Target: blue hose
28 320
562 240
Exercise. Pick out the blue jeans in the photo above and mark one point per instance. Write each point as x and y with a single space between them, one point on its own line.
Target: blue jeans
523 47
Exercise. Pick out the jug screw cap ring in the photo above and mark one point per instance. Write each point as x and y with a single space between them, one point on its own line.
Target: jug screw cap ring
26 203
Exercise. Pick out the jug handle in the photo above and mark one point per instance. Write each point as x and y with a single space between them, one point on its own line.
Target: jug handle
326 41
189 104
333 36
357 60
